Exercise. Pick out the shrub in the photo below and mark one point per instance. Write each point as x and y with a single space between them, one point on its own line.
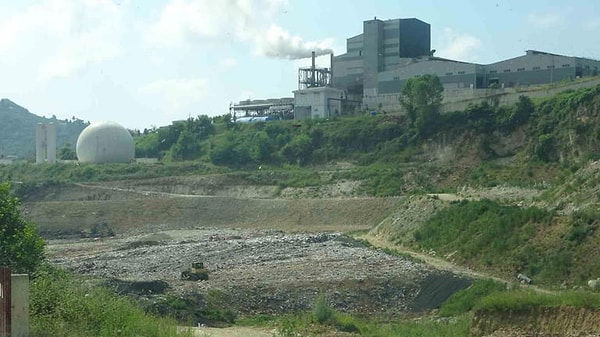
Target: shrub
61 305
322 311
21 248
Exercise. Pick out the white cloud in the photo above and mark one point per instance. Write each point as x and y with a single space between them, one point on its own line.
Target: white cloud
184 22
228 62
592 24
458 46
47 18
64 36
546 20
177 95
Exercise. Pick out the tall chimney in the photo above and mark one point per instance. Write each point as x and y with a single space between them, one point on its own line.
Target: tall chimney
313 80
331 70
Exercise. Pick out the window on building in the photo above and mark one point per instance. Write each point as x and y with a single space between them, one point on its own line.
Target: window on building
566 65
507 70
449 74
396 78
536 68
550 67
521 69
492 71
461 72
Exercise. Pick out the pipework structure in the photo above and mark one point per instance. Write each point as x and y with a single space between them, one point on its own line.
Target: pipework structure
314 77
45 143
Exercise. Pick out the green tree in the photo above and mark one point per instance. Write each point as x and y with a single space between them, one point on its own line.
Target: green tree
298 150
21 248
421 96
147 144
67 152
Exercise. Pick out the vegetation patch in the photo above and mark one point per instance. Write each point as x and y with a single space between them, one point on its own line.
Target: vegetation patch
62 305
487 233
465 300
526 299
323 320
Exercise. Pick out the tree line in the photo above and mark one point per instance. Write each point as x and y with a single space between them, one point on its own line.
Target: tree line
222 142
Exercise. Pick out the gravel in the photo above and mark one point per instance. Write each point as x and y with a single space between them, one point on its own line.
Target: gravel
263 271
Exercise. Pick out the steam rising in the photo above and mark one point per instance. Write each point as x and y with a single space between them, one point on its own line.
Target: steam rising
249 21
279 43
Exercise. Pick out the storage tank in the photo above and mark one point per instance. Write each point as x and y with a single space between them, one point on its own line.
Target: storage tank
105 142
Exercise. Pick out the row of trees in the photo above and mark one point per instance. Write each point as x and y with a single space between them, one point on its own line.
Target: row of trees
223 142
180 141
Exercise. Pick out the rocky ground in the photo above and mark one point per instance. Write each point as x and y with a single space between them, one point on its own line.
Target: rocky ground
264 271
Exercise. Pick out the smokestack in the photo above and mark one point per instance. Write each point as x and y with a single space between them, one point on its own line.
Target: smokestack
313 80
331 70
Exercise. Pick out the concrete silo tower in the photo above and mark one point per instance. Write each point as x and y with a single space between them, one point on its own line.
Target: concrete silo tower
45 143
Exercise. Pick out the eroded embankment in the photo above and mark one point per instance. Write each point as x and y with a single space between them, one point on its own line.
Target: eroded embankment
540 322
101 212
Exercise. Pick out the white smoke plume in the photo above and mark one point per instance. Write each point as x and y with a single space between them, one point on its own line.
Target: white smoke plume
250 21
279 43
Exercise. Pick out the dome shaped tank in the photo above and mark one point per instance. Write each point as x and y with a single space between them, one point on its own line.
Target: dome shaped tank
105 142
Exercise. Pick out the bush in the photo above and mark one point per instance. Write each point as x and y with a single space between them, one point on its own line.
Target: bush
322 311
21 249
61 305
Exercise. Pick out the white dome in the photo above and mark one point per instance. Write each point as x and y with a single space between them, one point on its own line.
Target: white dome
105 142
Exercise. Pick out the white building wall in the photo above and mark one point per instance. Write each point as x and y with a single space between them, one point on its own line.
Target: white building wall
19 305
323 101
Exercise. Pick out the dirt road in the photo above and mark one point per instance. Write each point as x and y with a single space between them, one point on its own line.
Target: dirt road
233 332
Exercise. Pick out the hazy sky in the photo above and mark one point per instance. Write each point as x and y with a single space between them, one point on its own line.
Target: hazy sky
145 63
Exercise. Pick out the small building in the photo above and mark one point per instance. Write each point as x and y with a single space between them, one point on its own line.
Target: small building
318 102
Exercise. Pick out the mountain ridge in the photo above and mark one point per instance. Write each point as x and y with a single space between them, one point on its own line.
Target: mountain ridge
17 130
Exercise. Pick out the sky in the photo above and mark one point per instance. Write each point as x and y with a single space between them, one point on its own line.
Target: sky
146 63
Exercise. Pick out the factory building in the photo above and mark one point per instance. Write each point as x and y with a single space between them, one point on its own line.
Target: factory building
388 53
273 109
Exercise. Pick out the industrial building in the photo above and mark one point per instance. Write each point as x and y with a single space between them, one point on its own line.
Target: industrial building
386 54
390 52
274 108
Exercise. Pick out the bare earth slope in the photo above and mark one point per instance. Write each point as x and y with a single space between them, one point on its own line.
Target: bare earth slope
123 211
268 255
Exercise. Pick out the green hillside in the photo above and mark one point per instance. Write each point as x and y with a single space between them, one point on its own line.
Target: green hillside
17 130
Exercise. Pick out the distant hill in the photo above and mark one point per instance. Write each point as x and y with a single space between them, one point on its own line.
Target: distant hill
17 130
